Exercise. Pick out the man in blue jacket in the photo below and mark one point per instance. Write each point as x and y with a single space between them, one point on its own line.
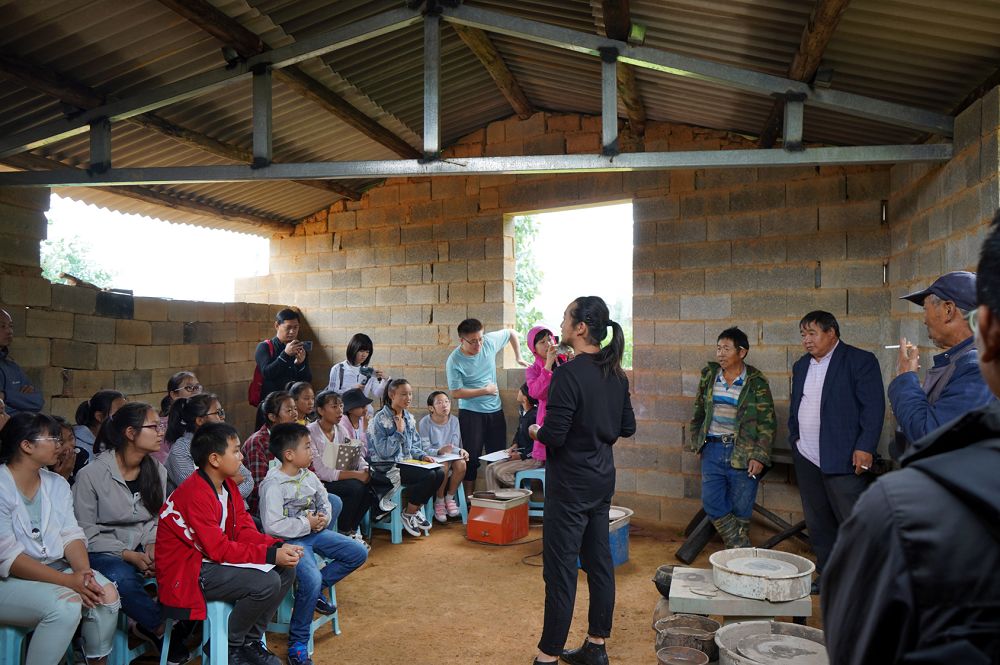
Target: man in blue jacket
834 424
954 384
16 390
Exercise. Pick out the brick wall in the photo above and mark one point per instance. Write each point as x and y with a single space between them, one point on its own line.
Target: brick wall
73 341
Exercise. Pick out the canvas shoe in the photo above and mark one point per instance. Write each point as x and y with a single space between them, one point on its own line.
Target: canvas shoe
387 504
422 522
439 512
411 523
357 537
452 507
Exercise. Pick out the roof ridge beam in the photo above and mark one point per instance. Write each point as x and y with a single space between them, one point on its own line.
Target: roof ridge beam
486 51
815 38
702 69
248 44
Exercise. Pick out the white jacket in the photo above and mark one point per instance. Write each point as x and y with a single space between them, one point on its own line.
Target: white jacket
59 527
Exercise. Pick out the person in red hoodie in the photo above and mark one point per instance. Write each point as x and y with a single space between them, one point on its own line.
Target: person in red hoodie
204 534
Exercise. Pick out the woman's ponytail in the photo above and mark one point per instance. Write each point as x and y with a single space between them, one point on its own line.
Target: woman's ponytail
610 357
593 311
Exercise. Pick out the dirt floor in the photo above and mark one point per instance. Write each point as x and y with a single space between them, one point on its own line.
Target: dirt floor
445 600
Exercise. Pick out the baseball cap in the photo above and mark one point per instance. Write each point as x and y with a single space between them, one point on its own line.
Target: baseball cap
958 286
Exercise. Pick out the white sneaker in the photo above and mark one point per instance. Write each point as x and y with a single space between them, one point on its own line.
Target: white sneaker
411 523
387 504
357 537
422 521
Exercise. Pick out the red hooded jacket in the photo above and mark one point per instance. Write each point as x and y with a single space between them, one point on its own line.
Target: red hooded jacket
188 531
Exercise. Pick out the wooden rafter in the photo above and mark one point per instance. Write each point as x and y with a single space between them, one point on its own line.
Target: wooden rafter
30 162
483 48
81 96
815 38
617 24
230 32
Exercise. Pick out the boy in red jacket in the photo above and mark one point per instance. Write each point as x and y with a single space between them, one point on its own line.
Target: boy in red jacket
204 534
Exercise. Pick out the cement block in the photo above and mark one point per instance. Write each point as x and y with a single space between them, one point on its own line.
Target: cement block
451 271
185 356
675 332
466 292
93 329
421 253
72 354
168 332
706 307
819 191
375 277
42 323
864 216
702 204
758 197
133 332
705 255
770 250
390 295
868 185
134 382
29 291
74 299
792 221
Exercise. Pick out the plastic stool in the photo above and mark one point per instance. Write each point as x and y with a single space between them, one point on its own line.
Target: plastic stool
535 508
394 523
12 646
121 654
284 615
463 507
215 630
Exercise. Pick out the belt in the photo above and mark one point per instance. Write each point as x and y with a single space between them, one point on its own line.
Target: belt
720 438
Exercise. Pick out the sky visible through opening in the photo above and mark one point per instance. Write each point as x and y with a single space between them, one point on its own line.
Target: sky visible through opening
584 252
155 258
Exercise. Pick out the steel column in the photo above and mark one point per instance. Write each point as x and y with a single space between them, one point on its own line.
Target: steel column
432 86
609 101
262 114
793 124
100 145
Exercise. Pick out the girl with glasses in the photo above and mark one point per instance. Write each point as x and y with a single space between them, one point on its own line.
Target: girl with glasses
46 581
181 384
89 417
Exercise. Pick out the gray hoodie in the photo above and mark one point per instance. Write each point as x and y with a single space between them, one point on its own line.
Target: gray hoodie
113 518
285 500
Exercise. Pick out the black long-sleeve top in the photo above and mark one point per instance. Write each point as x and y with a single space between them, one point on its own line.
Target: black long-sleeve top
279 368
586 413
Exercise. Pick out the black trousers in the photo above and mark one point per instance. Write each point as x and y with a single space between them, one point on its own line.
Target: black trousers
354 494
420 484
576 527
827 500
479 431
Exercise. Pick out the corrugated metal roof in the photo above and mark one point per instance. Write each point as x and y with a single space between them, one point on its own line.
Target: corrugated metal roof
917 52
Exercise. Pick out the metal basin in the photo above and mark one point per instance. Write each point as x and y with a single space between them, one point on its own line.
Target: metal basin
688 630
761 574
680 656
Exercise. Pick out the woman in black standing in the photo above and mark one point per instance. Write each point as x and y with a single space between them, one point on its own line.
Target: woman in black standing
588 410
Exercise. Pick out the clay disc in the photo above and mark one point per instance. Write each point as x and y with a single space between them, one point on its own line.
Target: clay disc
705 590
690 577
761 566
773 649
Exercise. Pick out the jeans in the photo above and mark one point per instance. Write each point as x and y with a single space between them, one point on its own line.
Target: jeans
336 507
724 489
345 554
136 603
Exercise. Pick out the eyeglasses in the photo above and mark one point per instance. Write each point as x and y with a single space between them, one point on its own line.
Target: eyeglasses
55 439
973 318
159 427
219 412
478 341
191 389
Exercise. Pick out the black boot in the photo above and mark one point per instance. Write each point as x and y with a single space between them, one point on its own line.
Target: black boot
588 654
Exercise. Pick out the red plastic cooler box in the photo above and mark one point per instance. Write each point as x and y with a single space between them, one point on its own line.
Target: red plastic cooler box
499 520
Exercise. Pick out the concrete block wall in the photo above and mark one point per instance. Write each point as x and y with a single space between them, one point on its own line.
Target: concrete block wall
73 341
939 214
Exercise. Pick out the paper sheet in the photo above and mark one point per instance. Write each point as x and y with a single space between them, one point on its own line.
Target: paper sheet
495 457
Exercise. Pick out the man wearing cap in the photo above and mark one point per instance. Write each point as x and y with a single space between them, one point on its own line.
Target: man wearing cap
16 392
954 384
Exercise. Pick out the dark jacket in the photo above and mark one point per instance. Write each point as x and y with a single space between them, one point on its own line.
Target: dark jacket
915 566
587 412
852 407
952 387
12 380
756 422
521 439
278 368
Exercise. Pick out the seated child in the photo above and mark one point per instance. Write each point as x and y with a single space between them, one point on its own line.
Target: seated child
393 437
501 474
46 582
441 430
294 507
203 530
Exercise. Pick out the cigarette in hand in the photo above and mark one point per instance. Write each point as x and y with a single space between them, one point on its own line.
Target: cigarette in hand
892 346
865 467
752 476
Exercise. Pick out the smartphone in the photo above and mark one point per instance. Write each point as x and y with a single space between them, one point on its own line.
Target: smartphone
308 345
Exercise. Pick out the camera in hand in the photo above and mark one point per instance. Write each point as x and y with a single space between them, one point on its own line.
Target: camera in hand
307 345
367 372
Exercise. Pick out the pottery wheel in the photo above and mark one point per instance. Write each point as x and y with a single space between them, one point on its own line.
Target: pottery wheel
774 649
761 566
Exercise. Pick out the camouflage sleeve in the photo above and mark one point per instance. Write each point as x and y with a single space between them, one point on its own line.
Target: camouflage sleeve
698 419
767 423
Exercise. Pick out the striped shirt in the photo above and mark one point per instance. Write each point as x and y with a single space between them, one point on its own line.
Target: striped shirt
725 396
809 407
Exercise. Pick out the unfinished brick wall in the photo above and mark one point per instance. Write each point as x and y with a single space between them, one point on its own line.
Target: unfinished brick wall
939 213
73 341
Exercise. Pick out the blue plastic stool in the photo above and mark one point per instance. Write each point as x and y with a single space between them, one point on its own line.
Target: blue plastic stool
215 630
121 654
459 498
284 615
13 645
393 524
535 508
